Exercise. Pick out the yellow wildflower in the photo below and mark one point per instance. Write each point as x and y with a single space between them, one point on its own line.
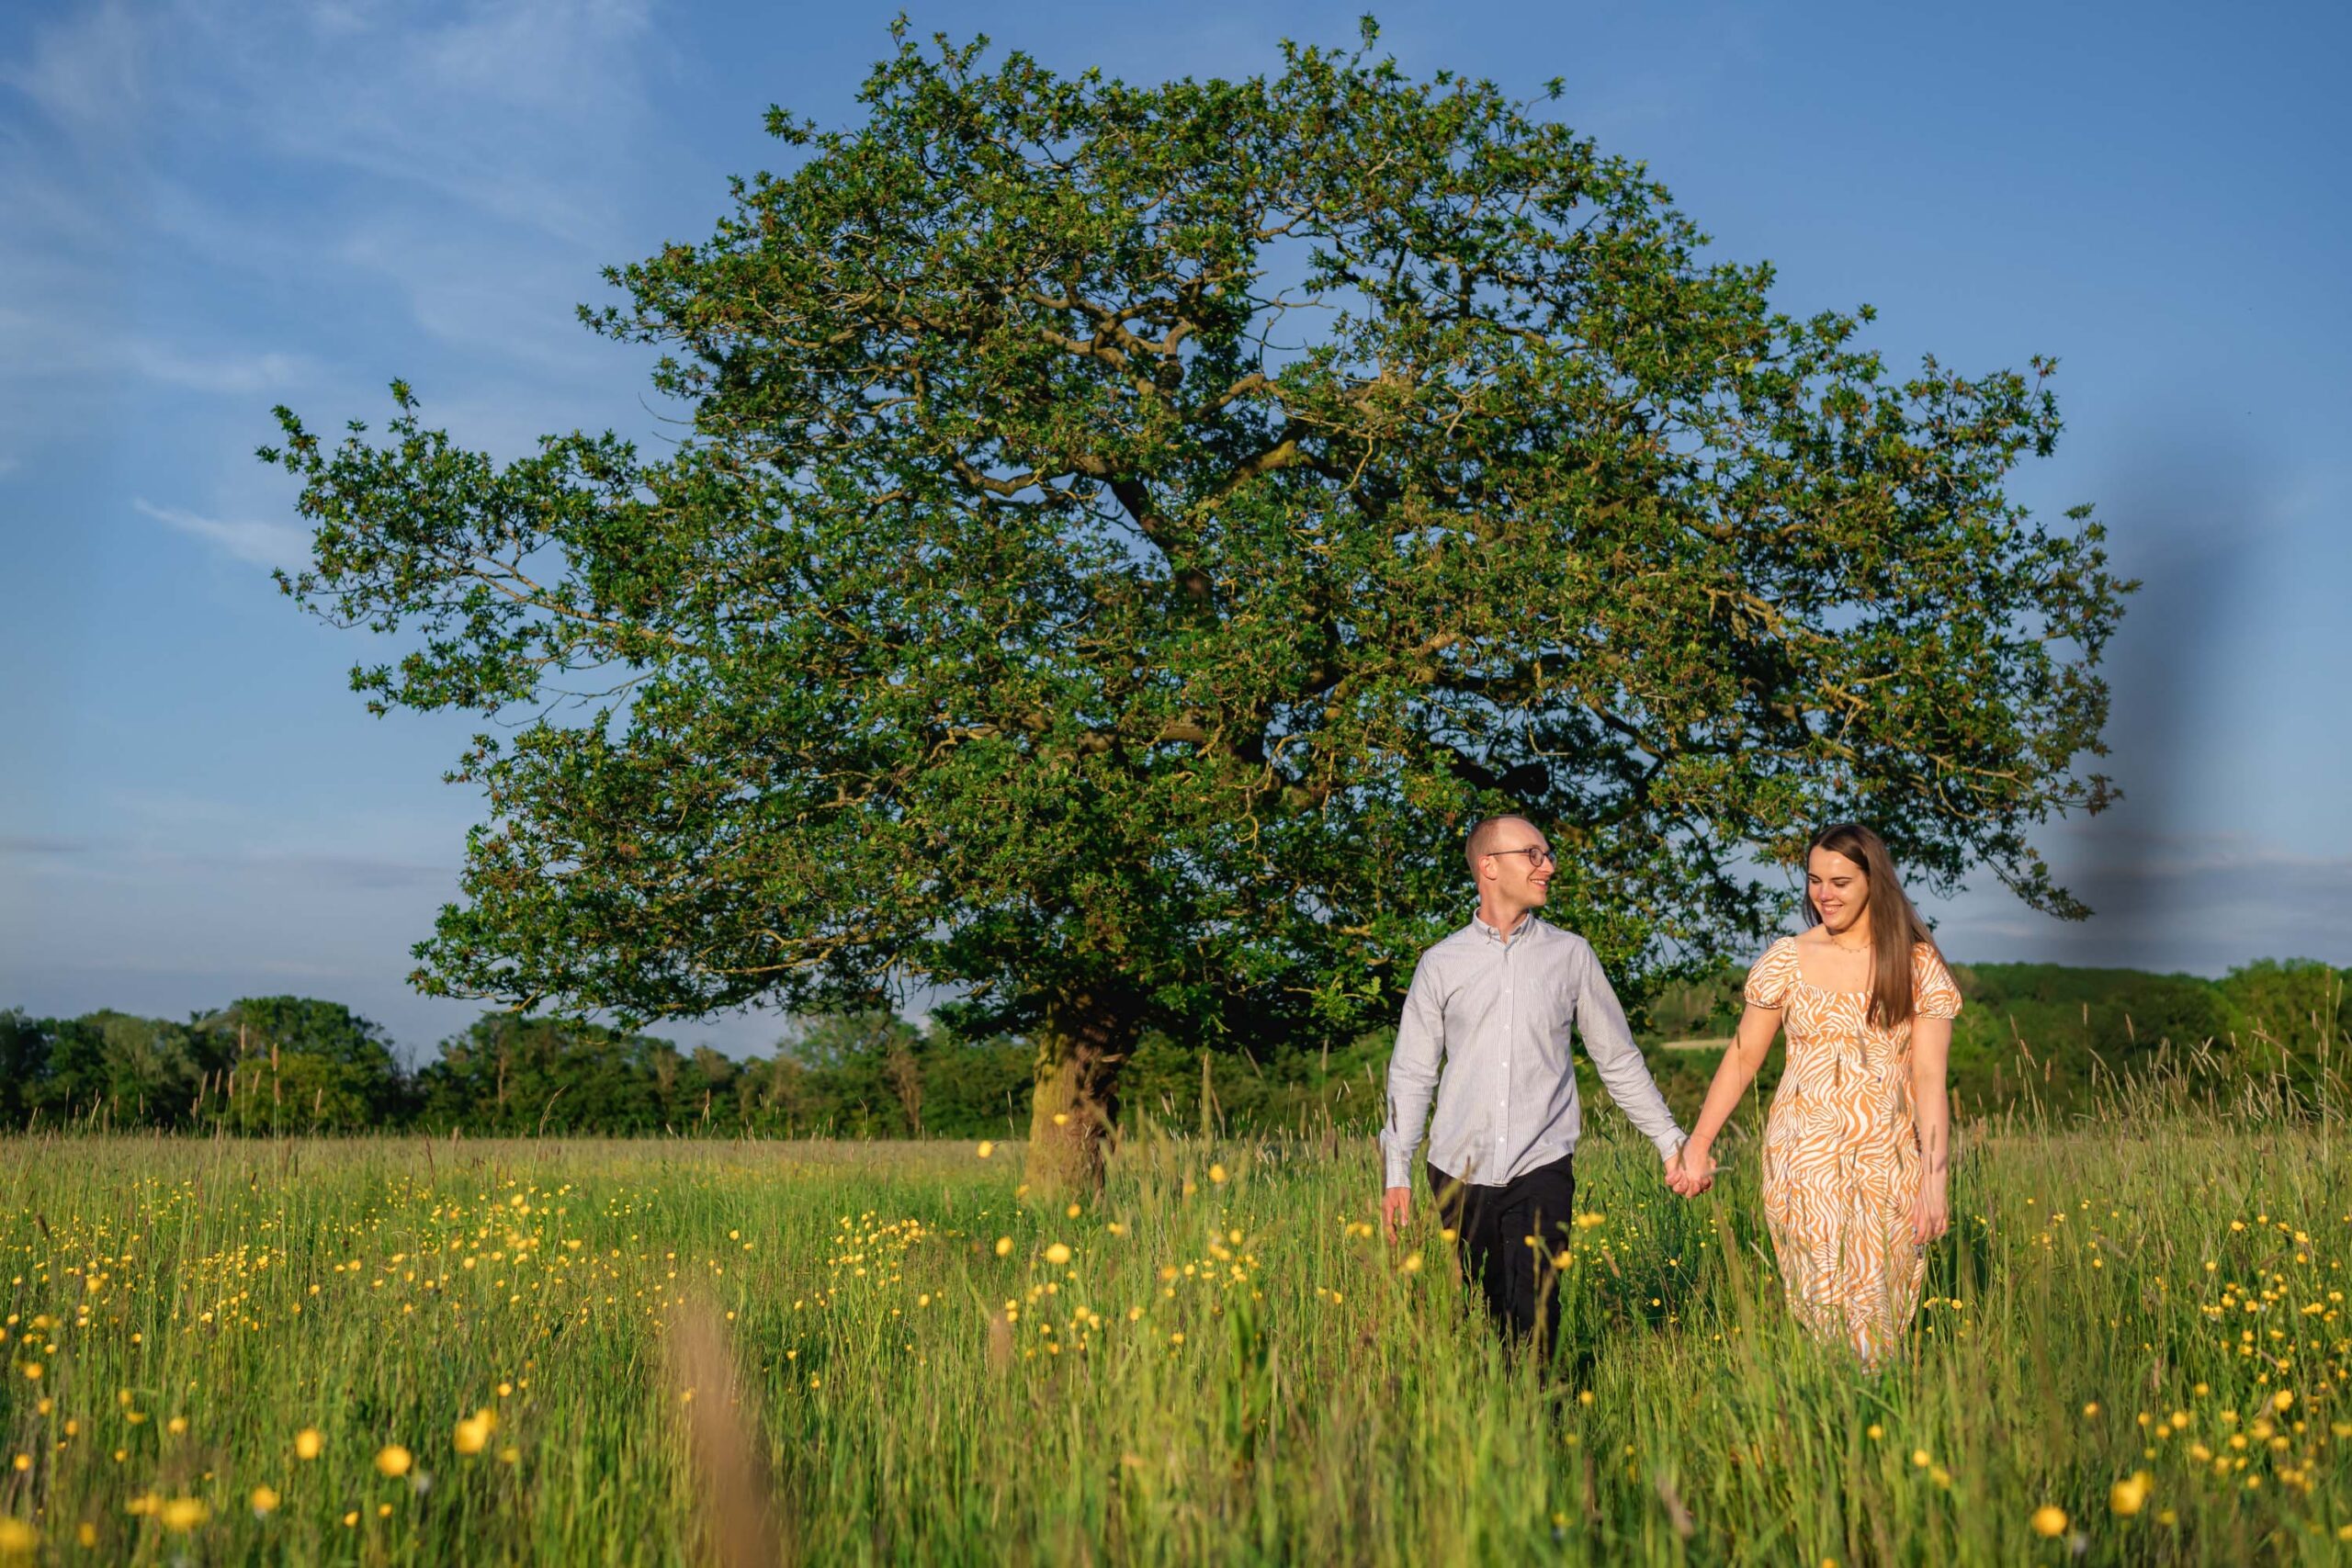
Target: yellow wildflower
307 1444
1057 1254
184 1513
2048 1521
394 1460
2128 1496
264 1500
1005 1246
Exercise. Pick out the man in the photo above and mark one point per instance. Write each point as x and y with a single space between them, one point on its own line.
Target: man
1498 1002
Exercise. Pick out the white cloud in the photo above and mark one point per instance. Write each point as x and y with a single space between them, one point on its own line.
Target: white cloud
261 543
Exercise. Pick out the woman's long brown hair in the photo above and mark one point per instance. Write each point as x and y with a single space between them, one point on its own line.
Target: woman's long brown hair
1896 927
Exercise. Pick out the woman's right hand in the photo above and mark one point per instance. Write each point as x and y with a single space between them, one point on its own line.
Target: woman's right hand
1693 1170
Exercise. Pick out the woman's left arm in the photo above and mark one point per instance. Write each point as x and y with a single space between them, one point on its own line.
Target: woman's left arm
1931 1109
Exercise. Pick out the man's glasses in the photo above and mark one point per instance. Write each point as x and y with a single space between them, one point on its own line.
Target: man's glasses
1537 854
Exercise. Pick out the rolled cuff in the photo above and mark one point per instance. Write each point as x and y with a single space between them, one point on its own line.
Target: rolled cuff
1669 1141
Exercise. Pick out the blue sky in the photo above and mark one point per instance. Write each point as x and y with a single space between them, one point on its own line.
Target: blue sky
206 208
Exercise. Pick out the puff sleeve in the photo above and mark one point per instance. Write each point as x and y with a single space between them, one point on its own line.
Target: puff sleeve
1934 993
1768 981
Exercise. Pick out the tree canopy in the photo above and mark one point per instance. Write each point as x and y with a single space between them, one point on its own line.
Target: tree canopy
1120 536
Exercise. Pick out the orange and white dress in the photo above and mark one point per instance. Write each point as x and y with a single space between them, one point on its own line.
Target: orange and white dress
1841 1152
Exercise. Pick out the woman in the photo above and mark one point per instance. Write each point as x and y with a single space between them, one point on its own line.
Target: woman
1858 1144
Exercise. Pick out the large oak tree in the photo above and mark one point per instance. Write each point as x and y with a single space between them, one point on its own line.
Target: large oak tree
1121 536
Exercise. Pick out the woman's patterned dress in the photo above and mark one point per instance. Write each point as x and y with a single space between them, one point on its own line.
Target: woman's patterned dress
1841 1152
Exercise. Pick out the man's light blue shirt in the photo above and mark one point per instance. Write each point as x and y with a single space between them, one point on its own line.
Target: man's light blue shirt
1502 1014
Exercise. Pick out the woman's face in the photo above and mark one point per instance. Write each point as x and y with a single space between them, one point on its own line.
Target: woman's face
1839 888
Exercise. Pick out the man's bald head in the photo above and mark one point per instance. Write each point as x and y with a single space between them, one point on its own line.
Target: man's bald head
1493 833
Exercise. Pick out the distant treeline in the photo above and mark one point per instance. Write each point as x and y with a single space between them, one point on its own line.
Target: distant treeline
2040 1035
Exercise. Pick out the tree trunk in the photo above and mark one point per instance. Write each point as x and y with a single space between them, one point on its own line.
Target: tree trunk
1074 1099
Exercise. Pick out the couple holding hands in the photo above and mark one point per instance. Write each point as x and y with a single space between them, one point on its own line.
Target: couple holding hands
1857 1145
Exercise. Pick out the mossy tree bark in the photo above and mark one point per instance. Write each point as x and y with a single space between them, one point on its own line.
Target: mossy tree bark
1074 1101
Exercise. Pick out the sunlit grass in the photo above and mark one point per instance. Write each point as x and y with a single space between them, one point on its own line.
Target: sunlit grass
2135 1345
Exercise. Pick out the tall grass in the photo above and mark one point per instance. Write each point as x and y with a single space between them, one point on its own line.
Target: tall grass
1229 1367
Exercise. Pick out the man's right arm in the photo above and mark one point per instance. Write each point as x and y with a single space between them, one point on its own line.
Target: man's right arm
1412 1073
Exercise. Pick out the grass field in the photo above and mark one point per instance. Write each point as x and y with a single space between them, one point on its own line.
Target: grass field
396 1351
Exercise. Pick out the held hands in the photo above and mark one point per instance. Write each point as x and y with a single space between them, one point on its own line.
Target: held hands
1690 1170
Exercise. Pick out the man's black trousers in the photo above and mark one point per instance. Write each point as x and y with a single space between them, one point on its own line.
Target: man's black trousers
1492 1227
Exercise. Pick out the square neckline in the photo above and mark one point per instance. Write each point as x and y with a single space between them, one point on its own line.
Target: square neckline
1796 963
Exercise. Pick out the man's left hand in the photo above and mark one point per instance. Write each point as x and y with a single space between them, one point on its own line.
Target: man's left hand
1687 1176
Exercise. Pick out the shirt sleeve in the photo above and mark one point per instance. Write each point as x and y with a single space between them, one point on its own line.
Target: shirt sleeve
1610 1042
1934 993
1412 1073
1768 980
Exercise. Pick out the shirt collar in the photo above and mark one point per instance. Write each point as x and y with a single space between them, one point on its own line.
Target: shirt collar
1526 923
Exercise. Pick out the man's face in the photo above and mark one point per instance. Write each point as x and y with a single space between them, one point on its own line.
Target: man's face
1523 865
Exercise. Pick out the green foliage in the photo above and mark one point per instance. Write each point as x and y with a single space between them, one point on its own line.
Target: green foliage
24 1063
509 1074
1121 535
298 1064
136 1069
2033 1039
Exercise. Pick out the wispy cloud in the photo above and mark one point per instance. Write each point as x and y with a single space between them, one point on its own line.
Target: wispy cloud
240 374
467 165
262 867
56 348
30 846
86 72
259 542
